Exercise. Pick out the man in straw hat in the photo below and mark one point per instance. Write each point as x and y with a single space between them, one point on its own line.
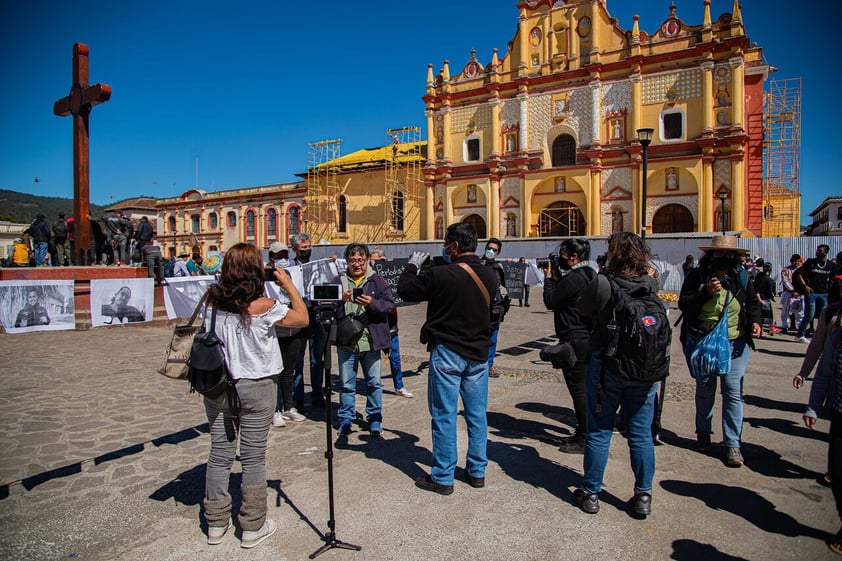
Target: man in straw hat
719 280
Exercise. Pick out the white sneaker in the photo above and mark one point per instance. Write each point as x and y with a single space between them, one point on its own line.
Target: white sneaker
292 414
254 538
403 392
803 340
278 420
216 533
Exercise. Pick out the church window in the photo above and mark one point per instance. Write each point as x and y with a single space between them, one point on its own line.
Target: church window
342 209
213 221
472 149
171 224
250 220
195 223
397 221
564 151
272 224
232 219
672 125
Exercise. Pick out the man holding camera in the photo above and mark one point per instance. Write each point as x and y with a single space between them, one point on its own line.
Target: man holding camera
302 245
566 275
457 332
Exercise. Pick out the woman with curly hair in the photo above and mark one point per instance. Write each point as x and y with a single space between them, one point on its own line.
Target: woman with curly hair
627 264
245 322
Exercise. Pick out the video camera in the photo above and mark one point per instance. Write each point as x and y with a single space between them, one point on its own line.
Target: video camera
551 260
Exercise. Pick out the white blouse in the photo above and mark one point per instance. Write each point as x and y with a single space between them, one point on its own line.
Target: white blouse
251 349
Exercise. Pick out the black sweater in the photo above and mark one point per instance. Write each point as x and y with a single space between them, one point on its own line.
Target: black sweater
561 295
457 314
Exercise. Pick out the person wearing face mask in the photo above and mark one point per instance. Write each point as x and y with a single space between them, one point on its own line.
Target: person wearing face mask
302 246
456 331
814 278
563 285
499 309
719 279
290 341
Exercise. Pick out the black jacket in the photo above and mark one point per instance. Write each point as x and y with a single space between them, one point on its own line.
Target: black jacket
457 314
561 295
693 296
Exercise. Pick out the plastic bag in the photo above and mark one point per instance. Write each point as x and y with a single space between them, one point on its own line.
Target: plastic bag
712 354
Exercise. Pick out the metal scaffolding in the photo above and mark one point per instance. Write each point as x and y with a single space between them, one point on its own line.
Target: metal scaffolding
320 212
404 188
782 157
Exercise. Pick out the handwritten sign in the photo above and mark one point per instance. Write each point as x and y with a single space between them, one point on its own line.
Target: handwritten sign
515 273
391 271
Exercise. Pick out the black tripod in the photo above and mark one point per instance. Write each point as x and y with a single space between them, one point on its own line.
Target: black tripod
326 315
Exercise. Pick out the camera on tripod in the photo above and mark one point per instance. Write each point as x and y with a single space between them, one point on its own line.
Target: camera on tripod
551 261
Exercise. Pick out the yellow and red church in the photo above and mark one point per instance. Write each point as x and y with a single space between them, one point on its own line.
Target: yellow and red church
544 140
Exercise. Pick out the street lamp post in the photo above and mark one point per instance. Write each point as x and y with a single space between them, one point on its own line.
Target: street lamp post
722 196
645 137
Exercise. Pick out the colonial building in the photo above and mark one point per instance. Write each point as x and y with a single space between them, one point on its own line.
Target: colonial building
827 218
545 139
216 221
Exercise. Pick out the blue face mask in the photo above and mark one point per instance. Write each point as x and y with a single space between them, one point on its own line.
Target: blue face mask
444 255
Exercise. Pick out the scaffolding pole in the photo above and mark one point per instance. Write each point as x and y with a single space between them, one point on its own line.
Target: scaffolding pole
404 188
320 218
782 158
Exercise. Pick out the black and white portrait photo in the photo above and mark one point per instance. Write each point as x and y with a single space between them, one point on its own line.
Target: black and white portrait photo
121 301
37 305
182 294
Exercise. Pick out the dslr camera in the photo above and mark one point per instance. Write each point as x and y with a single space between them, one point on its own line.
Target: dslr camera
551 260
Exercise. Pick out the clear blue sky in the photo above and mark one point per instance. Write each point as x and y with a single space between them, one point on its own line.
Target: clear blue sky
245 87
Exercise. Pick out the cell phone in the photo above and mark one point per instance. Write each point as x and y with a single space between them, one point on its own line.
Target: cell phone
270 274
357 293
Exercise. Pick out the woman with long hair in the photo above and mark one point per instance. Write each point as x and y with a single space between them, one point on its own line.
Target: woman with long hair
245 322
627 265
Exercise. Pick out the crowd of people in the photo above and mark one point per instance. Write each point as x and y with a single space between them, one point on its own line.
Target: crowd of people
267 343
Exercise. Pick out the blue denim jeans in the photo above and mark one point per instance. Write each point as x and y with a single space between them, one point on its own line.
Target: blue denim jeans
395 362
349 360
638 405
317 366
492 350
452 376
813 305
732 399
40 253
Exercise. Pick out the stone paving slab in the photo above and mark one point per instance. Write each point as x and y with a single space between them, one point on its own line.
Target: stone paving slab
104 459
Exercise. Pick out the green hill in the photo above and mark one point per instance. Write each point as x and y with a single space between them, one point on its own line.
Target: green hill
22 207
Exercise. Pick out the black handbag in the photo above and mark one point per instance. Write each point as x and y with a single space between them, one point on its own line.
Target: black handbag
349 329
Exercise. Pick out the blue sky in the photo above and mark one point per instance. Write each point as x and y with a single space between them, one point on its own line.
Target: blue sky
243 88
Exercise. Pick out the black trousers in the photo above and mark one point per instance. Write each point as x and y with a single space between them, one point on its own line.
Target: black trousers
575 378
290 349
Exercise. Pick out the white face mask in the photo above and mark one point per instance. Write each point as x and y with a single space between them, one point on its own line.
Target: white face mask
282 263
490 254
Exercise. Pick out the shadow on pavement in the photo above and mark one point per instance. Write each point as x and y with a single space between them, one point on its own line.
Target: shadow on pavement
682 550
766 403
746 504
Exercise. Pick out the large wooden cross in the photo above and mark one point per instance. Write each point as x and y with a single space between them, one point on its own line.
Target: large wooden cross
78 102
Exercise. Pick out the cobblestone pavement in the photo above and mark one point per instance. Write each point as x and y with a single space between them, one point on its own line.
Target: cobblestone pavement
103 459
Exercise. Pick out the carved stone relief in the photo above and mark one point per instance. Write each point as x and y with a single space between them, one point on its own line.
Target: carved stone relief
686 84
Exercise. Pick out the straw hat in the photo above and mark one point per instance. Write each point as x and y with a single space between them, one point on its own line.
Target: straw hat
724 243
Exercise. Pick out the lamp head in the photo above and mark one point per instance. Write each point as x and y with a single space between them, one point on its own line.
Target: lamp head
645 136
723 194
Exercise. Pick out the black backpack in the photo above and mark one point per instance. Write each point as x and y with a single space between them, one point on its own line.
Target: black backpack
206 369
60 229
639 334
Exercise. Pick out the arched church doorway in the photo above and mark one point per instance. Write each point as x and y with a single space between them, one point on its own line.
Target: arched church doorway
672 219
478 223
562 219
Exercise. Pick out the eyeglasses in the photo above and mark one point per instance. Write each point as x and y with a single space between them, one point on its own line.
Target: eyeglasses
357 261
